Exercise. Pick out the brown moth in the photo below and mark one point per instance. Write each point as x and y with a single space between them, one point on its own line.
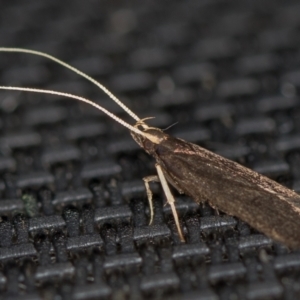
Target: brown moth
226 185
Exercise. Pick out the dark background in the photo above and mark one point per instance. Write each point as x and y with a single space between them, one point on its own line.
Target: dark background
74 211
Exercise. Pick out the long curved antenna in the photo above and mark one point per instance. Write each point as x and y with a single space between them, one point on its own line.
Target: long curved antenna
102 87
67 95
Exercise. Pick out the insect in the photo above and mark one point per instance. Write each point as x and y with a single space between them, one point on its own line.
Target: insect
226 185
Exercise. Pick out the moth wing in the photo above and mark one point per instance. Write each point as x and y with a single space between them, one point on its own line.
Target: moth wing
236 190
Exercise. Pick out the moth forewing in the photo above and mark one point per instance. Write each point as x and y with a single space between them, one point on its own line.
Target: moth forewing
236 190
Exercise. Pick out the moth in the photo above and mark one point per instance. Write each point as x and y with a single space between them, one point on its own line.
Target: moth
203 175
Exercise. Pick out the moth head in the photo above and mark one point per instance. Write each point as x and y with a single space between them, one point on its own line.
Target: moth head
150 139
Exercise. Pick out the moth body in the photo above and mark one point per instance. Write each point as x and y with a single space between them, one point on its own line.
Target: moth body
228 186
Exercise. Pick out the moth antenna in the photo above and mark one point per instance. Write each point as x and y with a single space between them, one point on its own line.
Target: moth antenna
80 73
82 99
165 129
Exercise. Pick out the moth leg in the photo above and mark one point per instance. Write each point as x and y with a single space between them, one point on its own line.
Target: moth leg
170 199
174 184
150 194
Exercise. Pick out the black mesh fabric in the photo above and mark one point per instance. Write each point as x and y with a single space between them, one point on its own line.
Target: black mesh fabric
74 212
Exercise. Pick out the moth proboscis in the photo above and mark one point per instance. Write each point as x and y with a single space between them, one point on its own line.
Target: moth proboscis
205 176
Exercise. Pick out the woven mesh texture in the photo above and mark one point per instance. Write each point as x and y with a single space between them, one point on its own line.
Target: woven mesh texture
74 212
